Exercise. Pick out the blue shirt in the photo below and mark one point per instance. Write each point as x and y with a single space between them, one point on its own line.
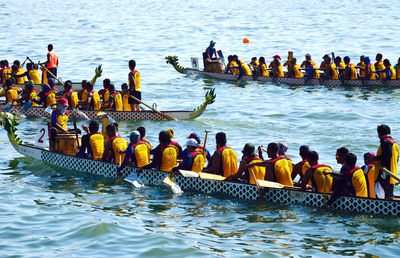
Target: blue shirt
128 154
185 152
187 162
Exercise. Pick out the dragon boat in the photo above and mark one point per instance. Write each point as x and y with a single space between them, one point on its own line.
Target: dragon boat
199 182
121 115
173 60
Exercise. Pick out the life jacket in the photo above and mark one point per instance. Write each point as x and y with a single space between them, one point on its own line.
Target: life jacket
281 171
228 165
82 95
259 171
235 71
50 98
280 71
264 70
33 96
392 72
62 120
168 159
372 75
148 145
139 156
118 143
118 106
202 150
362 71
304 166
34 76
381 66
318 178
22 79
315 71
74 99
290 163
44 76
297 71
393 160
369 172
12 94
6 74
95 103
334 72
197 162
357 185
53 60
106 98
125 102
245 68
353 71
136 77
96 141
177 147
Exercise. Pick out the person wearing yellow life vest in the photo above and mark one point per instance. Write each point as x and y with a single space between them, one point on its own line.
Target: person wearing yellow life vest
352 183
51 63
115 146
232 66
59 120
192 160
29 94
70 95
32 74
12 91
324 62
389 71
302 167
142 132
340 65
93 99
277 69
224 160
330 69
115 100
379 66
92 143
397 69
387 156
82 93
134 86
308 58
54 89
262 67
350 72
135 154
294 70
46 97
244 173
164 155
312 71
370 71
254 64
125 97
243 68
5 71
369 171
316 174
176 145
18 73
361 65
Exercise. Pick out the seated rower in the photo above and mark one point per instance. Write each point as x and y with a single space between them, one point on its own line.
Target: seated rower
277 70
105 93
5 71
262 67
302 167
294 70
369 172
142 132
32 73
330 69
245 173
243 68
92 143
277 167
93 99
176 145
82 93
379 66
254 64
17 72
389 71
200 148
312 71
308 58
350 72
164 155
370 71
135 154
46 97
397 69
114 145
29 93
70 95
12 92
192 159
361 66
352 182
324 62
320 182
232 66
52 84
115 100
224 160
125 97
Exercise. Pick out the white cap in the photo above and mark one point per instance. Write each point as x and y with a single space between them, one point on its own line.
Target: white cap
191 142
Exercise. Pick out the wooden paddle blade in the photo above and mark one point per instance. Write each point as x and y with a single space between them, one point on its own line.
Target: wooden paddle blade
269 184
211 176
168 181
187 173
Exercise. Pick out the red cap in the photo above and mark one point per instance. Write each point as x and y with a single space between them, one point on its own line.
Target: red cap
63 101
276 56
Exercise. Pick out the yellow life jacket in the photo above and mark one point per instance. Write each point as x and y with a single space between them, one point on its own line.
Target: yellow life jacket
335 74
118 101
359 183
369 172
136 77
12 94
281 171
297 71
381 66
96 100
393 73
34 76
372 74
353 72
33 96
96 141
280 71
259 171
318 178
6 74
235 71
50 98
140 156
315 72
362 71
304 167
74 100
22 79
393 160
245 68
264 70
168 160
84 94
228 165
106 99
118 143
125 102
62 120
148 145
44 76
198 162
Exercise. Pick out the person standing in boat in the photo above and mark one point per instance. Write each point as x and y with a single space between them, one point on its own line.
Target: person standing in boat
114 145
51 63
224 160
134 86
92 142
192 160
135 154
320 181
164 155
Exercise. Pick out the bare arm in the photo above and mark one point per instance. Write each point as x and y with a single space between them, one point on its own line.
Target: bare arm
214 166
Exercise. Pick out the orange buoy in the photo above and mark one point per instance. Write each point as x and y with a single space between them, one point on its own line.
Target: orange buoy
246 41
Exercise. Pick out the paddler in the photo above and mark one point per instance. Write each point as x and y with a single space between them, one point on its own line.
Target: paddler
5 71
46 96
242 66
93 99
232 66
70 95
308 58
324 62
92 142
125 97
361 65
114 145
379 66
176 145
262 67
51 63
277 167
134 86
82 93
164 155
18 73
389 71
245 173
397 68
316 175
350 72
224 160
200 148
312 71
340 65
282 148
192 160
388 157
32 73
29 94
277 70
136 153
115 100
294 70
52 84
254 64
301 167
142 132
105 93
330 69
352 183
369 69
369 172
12 91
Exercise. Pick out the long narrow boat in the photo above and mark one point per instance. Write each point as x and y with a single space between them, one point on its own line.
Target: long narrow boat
173 60
123 115
282 195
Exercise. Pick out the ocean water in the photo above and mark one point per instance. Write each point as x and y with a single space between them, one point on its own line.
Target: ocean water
46 211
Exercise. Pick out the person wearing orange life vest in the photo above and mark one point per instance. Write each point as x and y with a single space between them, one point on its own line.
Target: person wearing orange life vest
176 145
115 146
301 167
379 66
317 175
370 71
277 167
125 97
244 173
369 172
192 160
352 183
92 143
350 72
164 155
51 63
330 69
70 95
224 160
389 71
135 154
134 86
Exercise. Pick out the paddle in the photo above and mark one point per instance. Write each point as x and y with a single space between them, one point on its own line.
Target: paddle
47 70
169 180
387 171
27 105
205 141
9 105
255 179
155 110
76 132
134 179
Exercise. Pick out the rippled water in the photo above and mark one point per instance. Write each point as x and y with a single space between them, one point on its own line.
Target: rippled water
46 211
